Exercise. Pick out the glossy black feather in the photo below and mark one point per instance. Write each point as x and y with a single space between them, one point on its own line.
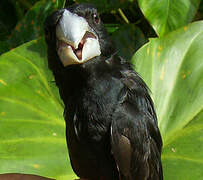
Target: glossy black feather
111 124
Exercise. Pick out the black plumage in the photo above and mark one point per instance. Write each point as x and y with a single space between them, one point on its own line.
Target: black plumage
111 125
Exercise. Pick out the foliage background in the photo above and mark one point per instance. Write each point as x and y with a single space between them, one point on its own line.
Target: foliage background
169 36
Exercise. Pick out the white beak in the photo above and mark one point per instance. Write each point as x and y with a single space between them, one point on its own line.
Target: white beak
76 41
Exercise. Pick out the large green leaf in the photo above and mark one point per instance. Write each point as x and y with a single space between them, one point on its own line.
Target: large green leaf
32 133
168 15
172 67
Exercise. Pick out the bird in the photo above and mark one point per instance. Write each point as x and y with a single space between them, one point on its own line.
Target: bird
111 125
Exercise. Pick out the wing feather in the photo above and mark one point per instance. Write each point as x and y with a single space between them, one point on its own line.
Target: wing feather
135 138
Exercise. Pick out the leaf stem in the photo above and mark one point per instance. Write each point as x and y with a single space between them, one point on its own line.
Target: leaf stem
123 16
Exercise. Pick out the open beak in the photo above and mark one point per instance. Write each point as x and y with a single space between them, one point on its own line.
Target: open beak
76 41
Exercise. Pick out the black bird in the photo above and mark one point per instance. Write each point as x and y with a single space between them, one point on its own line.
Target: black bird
111 124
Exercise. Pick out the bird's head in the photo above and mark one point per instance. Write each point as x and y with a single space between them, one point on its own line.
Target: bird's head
76 35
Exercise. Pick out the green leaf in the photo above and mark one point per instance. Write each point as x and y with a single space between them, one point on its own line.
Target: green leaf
168 15
31 26
172 66
128 39
111 27
32 129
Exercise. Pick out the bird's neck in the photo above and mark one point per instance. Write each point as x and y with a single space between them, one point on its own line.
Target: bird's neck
76 79
70 83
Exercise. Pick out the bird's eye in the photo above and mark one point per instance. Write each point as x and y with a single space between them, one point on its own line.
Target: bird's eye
96 18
